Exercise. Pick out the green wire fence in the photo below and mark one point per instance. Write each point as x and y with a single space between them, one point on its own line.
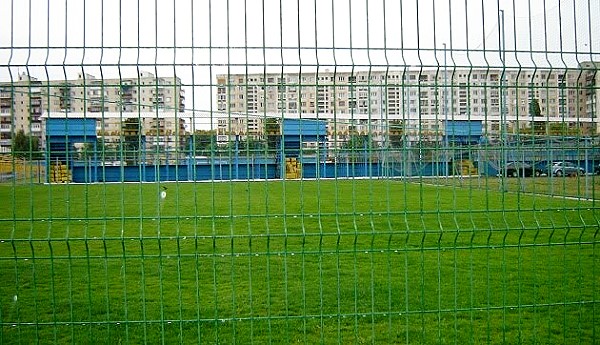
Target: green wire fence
268 171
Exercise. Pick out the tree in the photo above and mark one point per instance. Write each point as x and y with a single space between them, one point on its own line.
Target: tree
273 132
357 142
356 146
131 139
395 133
534 108
98 150
534 111
104 150
87 151
25 145
202 143
251 145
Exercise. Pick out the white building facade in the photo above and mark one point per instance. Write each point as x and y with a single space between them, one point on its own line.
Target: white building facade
26 101
418 101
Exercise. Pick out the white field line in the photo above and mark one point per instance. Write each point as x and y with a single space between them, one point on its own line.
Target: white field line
554 196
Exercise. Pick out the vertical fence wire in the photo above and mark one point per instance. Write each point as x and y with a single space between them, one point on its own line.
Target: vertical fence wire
340 171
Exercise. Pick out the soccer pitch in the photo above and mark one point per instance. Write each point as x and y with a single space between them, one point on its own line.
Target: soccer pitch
332 261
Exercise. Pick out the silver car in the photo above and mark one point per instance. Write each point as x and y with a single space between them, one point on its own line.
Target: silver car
566 169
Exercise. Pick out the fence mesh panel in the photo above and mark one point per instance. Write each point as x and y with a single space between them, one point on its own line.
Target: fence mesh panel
269 171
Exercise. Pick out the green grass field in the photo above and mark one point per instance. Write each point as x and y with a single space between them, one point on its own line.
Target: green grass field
332 261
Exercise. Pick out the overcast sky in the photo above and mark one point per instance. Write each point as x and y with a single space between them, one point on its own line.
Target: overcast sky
198 39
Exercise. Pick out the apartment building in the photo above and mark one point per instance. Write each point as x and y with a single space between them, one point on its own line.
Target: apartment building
148 97
20 109
562 96
417 101
592 90
145 93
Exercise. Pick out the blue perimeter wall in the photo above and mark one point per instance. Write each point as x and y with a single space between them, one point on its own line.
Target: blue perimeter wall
269 169
265 170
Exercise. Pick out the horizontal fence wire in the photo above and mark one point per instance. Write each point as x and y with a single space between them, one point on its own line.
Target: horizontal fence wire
268 171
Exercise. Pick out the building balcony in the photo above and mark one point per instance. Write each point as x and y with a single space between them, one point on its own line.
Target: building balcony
127 99
126 96
126 88
154 132
130 133
96 109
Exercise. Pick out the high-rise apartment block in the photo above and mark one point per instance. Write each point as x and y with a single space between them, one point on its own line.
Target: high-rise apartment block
142 94
419 102
20 109
156 101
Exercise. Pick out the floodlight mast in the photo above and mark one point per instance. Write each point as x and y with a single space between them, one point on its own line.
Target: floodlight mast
446 110
503 114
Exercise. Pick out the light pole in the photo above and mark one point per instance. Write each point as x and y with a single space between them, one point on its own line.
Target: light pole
503 109
446 110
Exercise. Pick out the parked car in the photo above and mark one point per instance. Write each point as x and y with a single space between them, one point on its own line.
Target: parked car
523 169
566 169
543 168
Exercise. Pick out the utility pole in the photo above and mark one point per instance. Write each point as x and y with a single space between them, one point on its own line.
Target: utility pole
503 114
446 110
